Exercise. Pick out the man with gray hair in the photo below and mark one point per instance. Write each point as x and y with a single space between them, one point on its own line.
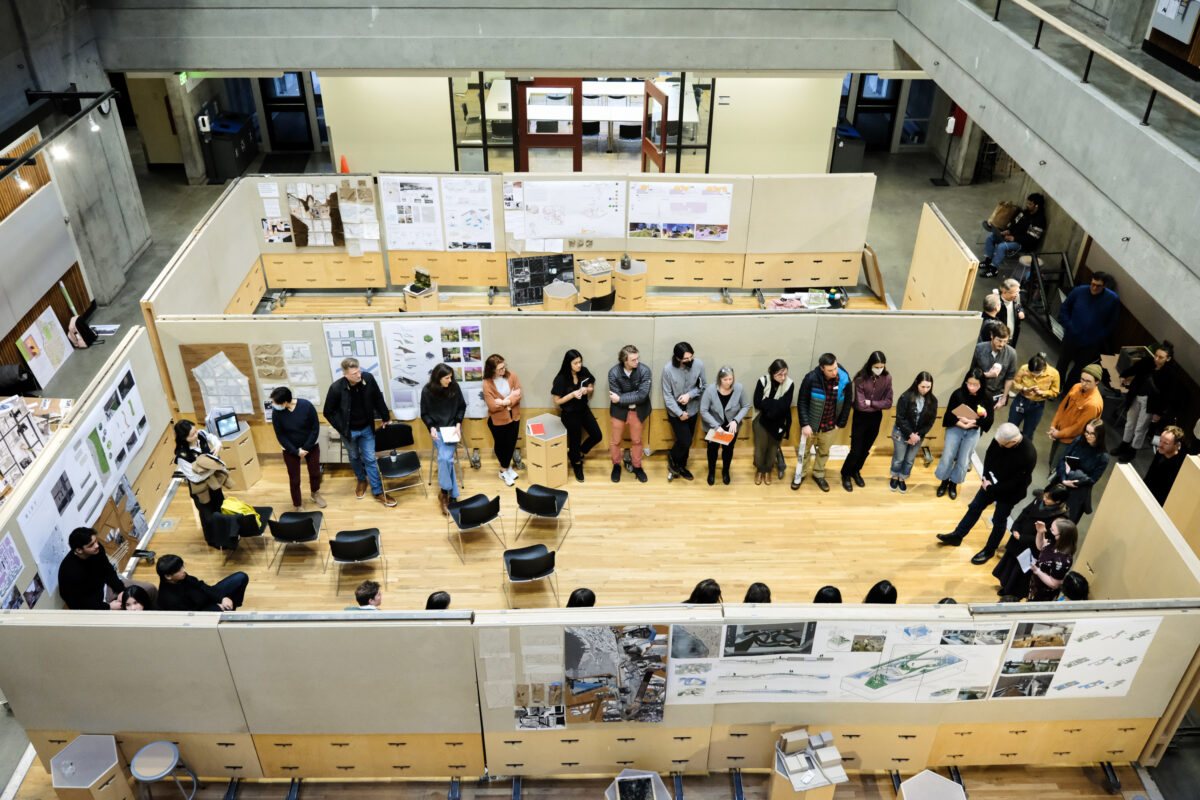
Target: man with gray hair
1007 471
990 316
1010 312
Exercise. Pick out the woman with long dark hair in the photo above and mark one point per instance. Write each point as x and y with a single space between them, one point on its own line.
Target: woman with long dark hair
502 393
916 412
772 417
872 396
443 407
573 386
198 457
962 433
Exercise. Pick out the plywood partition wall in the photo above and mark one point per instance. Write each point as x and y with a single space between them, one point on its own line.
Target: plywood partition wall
942 272
1183 503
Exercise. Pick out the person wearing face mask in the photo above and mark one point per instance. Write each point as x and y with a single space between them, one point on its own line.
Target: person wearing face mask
1042 511
296 427
872 396
683 382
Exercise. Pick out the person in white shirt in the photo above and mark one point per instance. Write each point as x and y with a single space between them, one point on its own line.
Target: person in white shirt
369 596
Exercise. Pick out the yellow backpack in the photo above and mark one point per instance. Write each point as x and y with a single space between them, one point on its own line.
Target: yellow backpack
234 506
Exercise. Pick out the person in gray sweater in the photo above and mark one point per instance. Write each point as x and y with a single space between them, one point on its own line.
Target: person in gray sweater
724 405
683 384
998 361
629 384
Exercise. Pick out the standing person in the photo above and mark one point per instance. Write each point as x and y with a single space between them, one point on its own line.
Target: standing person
443 406
198 457
1036 382
1022 234
872 387
998 361
178 591
822 407
1007 471
962 433
683 382
502 393
351 405
1160 475
1042 511
629 383
1153 395
915 414
772 417
1082 404
1088 316
297 428
1056 554
573 385
1081 467
724 405
1010 312
990 316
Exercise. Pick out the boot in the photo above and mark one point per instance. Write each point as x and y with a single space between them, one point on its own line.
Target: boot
444 501
942 487
724 475
952 490
712 474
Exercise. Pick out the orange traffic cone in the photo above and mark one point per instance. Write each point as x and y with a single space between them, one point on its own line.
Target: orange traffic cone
345 166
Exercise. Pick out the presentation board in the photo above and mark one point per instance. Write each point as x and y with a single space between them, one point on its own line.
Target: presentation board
38 248
528 276
415 346
810 213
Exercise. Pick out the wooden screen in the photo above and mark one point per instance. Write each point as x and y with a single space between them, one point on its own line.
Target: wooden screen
532 140
657 154
36 174
73 280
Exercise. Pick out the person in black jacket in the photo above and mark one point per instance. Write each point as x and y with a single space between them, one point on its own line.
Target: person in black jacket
1052 505
772 418
962 433
1022 234
443 406
1153 394
1081 467
1007 471
1160 475
178 591
629 394
916 411
297 428
573 386
87 579
351 405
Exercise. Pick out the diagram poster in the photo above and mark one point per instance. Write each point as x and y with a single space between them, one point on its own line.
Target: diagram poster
412 212
315 217
1084 658
44 346
356 340
699 211
414 348
10 564
467 204
615 674
22 437
558 209
856 662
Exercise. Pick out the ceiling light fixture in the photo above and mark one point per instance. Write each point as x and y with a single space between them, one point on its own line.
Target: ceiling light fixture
59 152
92 124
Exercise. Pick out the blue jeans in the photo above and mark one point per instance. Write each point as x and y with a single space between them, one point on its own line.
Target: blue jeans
995 249
445 466
956 454
903 455
361 449
1026 414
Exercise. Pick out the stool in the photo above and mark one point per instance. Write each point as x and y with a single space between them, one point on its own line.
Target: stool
157 760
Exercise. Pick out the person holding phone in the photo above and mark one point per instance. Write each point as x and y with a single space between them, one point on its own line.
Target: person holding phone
502 393
1056 555
998 361
573 386
443 407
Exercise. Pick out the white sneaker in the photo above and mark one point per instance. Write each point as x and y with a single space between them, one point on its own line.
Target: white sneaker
512 473
508 480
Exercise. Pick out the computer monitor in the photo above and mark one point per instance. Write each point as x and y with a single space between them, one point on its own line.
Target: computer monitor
227 425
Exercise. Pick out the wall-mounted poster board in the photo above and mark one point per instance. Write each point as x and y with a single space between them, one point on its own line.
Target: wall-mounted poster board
528 276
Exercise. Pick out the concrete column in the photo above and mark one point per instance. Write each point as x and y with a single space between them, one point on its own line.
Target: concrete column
1128 21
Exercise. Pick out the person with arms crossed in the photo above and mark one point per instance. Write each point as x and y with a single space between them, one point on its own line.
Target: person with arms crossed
297 428
1089 317
351 405
915 414
629 383
772 417
683 383
502 393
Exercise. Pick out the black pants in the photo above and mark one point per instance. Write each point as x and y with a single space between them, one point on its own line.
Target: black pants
864 428
1072 358
234 587
576 425
726 455
685 431
984 498
505 440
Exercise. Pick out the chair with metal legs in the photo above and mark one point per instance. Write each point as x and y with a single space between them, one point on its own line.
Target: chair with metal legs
474 512
529 564
542 502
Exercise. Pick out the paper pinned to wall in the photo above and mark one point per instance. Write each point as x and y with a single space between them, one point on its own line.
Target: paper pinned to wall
493 642
467 204
268 189
222 385
412 212
501 668
44 346
499 694
11 566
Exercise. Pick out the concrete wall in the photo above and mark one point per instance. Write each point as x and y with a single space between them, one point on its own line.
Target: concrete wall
389 124
774 125
48 44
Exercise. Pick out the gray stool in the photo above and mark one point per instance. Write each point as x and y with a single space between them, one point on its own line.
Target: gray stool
156 761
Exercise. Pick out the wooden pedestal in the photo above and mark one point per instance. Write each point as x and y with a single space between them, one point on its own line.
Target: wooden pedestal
595 285
559 296
241 457
781 789
630 286
425 301
546 453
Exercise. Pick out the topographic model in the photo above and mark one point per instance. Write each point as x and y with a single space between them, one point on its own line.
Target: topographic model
903 672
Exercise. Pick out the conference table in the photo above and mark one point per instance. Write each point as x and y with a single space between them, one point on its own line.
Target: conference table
603 101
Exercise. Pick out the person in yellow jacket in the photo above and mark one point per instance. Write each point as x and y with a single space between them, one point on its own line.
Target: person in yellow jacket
1081 405
1036 382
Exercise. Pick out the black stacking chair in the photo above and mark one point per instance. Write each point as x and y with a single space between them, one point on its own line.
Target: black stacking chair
397 465
356 547
529 564
542 502
294 527
474 512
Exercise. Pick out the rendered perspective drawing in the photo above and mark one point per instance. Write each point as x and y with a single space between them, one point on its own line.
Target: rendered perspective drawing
903 672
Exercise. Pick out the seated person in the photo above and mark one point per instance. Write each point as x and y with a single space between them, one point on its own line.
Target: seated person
438 601
1074 587
706 591
882 592
758 593
87 579
828 594
581 598
178 591
137 599
369 597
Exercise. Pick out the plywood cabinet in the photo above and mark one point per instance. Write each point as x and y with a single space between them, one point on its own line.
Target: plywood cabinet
692 269
883 747
801 270
323 271
210 755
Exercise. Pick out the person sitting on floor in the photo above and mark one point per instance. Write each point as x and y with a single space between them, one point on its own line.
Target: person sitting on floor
706 591
178 591
883 593
87 579
368 596
758 593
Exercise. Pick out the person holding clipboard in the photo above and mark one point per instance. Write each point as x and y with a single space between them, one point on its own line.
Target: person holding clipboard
722 408
968 415
573 386
442 410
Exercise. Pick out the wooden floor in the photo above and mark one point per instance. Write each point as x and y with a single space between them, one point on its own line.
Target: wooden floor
631 542
983 783
476 301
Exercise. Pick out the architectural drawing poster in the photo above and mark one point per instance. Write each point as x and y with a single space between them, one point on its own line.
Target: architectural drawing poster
412 212
22 437
342 341
857 662
467 204
558 209
44 346
699 211
316 219
356 203
415 347
11 564
615 673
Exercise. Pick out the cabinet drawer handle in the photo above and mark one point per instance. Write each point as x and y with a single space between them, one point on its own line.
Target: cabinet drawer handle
787 261
619 739
248 463
963 733
899 760
1068 752
737 735
289 768
282 744
818 261
954 755
456 766
1115 752
906 736
513 741
680 760
346 767
1072 730
624 763
226 744
397 744
453 744
569 741
569 763
518 765
682 738
851 735
1018 733
106 784
1126 730
233 767
401 766
735 758
339 744
1009 755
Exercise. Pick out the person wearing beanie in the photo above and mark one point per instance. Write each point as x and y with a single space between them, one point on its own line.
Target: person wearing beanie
1081 405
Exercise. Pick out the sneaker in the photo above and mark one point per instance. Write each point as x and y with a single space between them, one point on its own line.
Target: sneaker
616 473
318 501
640 474
686 474
387 501
858 480
297 509
894 483
902 486
578 469
508 479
